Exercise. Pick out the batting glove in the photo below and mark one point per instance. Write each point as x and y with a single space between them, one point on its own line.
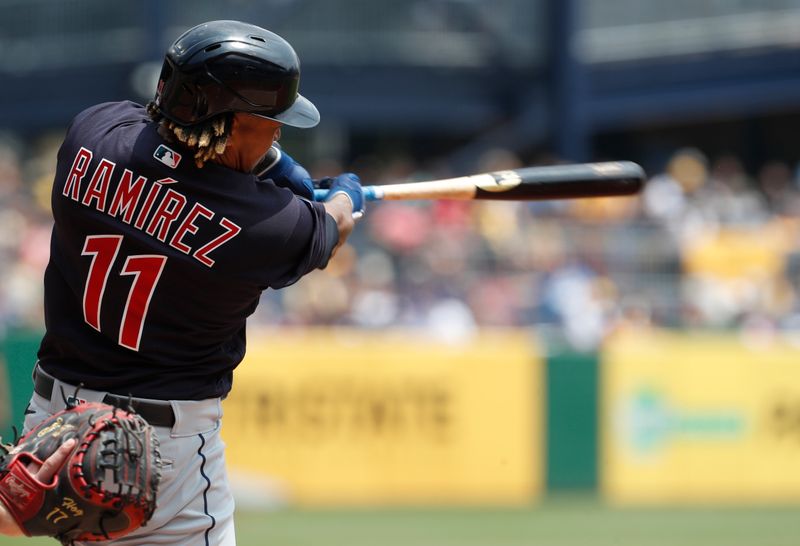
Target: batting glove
350 185
285 172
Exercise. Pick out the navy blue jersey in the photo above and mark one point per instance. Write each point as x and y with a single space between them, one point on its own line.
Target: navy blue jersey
156 264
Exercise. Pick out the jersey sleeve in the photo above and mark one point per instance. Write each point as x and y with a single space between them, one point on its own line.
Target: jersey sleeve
309 247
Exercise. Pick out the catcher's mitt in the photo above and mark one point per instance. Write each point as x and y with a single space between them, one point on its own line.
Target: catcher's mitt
106 488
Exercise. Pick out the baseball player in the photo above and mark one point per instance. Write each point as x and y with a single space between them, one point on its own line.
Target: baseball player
170 221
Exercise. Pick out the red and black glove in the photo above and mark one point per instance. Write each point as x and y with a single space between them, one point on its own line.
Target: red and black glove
107 486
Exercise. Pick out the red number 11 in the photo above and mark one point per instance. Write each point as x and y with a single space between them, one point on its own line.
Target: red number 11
146 270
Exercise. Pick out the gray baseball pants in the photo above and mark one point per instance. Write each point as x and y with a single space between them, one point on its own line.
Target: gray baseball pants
194 502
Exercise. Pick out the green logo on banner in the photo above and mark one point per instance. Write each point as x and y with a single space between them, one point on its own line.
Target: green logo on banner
648 422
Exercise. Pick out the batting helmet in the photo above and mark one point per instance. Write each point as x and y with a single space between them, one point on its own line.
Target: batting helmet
230 66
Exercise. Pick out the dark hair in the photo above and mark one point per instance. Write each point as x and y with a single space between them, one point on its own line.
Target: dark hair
206 139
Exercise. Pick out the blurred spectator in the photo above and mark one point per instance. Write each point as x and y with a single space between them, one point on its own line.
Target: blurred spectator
779 189
666 196
731 195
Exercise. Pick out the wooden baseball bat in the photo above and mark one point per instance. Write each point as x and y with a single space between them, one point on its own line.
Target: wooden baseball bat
613 178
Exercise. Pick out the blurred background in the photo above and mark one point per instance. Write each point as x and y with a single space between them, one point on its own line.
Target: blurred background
609 371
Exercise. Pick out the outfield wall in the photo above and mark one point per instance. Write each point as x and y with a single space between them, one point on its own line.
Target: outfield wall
342 417
17 356
345 417
700 418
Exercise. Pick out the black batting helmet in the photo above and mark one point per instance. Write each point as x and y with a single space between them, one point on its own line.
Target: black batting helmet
230 66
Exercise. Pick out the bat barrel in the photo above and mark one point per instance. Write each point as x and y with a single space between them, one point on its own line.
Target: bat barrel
610 179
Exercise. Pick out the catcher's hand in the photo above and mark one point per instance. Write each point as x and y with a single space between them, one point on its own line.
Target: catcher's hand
105 489
43 473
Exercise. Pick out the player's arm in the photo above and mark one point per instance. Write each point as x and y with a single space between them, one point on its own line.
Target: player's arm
345 204
340 211
278 166
7 525
315 232
44 474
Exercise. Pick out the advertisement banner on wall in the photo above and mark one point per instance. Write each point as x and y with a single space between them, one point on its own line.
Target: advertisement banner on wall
700 418
346 417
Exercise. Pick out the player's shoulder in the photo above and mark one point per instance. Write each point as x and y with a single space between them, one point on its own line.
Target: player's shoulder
107 115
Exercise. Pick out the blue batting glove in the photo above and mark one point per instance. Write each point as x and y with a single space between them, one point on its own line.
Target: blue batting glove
285 172
350 185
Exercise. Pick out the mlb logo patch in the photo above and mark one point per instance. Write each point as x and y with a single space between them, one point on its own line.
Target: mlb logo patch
167 156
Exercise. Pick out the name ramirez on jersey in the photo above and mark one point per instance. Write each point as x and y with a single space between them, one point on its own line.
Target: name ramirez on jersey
153 208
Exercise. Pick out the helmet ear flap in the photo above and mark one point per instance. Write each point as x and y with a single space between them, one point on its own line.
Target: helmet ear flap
163 79
178 98
200 105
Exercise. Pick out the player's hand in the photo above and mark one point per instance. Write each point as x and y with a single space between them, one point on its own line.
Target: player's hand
278 166
43 473
8 526
52 464
350 185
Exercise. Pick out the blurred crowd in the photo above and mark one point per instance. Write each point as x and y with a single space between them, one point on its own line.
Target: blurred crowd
707 245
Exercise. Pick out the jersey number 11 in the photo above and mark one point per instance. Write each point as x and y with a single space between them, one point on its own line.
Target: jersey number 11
146 270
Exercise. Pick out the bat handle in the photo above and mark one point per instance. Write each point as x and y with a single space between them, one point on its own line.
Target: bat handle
371 193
